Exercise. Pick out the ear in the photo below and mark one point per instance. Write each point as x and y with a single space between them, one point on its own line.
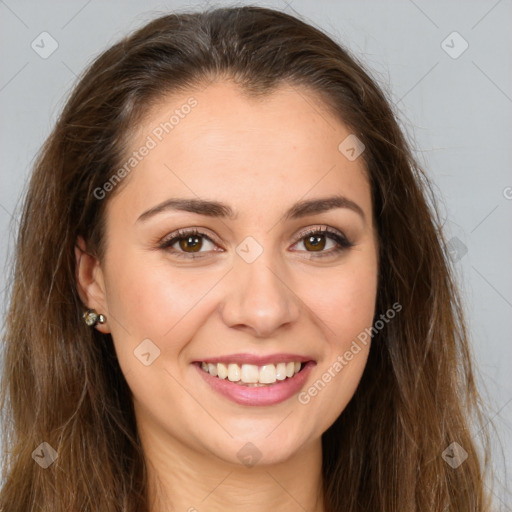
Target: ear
90 282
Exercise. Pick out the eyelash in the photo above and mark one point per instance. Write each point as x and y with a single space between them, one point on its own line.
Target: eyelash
341 240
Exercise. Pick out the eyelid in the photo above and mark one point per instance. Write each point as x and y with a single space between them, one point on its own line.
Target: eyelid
319 229
184 232
339 238
342 241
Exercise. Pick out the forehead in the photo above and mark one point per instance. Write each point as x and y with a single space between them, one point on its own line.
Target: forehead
218 143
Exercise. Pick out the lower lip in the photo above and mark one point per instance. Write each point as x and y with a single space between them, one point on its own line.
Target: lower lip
264 395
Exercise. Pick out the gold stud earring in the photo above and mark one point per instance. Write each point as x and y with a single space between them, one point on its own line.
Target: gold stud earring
91 318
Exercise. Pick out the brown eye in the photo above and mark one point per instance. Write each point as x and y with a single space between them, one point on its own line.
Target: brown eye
315 242
194 243
189 243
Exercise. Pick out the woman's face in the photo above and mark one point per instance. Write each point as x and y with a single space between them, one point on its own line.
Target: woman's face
256 291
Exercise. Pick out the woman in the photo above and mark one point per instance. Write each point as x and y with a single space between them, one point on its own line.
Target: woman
230 291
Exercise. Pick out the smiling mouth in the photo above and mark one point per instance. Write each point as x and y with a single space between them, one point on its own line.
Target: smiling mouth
251 375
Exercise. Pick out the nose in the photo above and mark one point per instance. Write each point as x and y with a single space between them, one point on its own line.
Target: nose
260 298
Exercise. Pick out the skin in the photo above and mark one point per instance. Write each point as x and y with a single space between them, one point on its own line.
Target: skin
260 157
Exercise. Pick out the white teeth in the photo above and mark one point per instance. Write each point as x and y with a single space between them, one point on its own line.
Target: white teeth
222 370
233 372
268 374
249 374
281 371
252 374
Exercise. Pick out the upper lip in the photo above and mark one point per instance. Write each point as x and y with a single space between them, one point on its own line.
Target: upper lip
258 360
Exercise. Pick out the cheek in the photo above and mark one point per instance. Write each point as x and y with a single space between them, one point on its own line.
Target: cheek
149 297
344 300
151 301
344 304
337 375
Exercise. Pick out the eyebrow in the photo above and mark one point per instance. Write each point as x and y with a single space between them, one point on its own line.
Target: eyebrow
218 209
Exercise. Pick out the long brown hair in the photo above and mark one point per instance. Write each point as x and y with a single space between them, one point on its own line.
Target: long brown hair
62 383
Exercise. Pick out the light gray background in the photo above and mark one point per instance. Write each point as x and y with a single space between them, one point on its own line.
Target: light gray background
457 110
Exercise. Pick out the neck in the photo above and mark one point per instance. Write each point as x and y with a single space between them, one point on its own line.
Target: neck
181 478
